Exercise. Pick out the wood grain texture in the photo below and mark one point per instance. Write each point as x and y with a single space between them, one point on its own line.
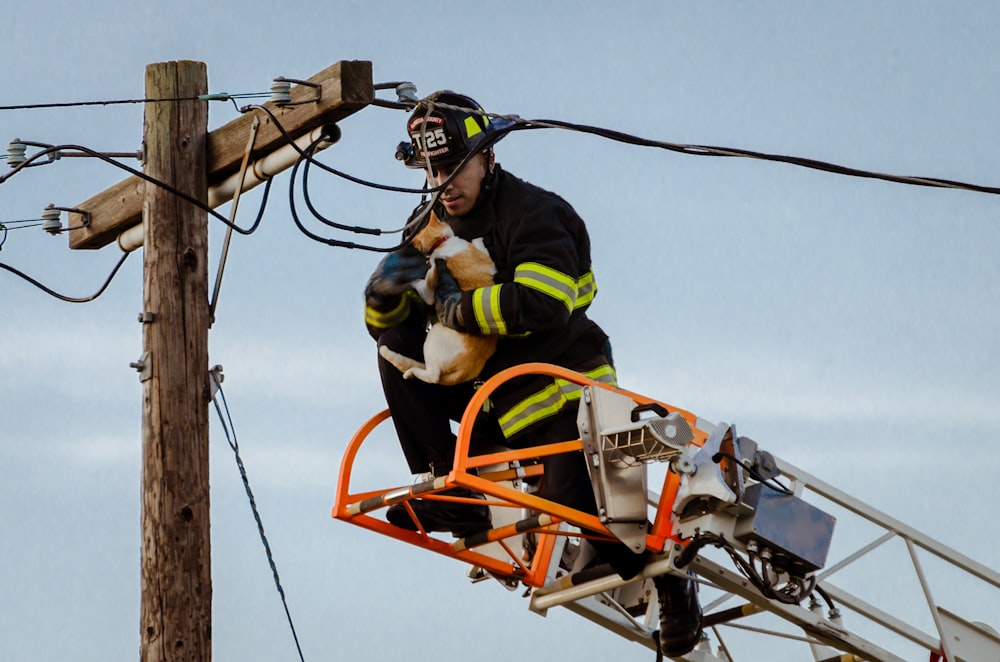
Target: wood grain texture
176 596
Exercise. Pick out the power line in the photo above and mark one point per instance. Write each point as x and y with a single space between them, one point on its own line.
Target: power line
516 123
227 427
507 124
138 173
63 297
709 150
218 96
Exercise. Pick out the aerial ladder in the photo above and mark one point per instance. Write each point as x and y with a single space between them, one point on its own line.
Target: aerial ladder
754 531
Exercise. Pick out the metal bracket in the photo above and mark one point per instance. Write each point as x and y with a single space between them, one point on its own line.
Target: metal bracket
144 366
215 379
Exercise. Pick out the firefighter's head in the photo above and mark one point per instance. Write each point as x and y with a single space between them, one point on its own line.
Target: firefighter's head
448 129
445 128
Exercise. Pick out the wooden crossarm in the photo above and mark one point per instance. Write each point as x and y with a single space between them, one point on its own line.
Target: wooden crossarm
344 87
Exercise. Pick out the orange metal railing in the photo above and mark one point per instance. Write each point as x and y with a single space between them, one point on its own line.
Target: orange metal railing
500 551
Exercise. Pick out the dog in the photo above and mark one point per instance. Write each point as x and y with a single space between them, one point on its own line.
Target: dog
450 356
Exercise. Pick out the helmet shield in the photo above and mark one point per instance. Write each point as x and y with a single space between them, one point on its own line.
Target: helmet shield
445 135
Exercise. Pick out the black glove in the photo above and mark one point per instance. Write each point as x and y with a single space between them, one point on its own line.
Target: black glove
394 275
447 297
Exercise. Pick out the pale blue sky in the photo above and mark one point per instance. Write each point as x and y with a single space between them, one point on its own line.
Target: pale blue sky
850 326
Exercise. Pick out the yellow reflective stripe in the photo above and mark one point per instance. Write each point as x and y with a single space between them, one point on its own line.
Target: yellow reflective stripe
550 401
384 320
472 126
586 289
548 281
486 306
574 295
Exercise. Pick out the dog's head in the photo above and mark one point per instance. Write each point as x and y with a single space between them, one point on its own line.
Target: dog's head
434 233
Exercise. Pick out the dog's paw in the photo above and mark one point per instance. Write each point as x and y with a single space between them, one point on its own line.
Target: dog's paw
424 289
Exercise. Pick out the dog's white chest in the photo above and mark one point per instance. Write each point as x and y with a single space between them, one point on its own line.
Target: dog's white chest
455 245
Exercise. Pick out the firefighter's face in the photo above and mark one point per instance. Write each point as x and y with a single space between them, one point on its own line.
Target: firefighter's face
460 195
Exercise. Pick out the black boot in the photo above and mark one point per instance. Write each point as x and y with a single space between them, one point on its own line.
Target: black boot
461 519
680 614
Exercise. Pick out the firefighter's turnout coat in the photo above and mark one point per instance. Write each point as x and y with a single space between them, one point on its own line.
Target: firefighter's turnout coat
538 305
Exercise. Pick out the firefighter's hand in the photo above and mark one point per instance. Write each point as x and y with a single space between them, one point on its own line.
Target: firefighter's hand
447 297
395 274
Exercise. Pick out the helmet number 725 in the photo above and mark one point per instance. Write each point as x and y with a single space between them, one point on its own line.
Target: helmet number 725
435 138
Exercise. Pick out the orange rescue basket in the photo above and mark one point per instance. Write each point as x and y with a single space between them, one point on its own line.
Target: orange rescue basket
528 529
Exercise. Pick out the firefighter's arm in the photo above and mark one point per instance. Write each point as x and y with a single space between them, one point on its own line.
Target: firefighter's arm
389 294
544 291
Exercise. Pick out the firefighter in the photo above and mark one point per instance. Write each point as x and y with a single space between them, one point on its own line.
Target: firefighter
537 307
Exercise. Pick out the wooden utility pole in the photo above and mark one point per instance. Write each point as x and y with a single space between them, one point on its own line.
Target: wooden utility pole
176 610
176 613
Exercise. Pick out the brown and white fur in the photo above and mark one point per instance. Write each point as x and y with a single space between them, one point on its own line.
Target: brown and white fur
450 356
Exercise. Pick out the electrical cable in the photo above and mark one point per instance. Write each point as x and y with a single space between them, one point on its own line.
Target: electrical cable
214 299
319 164
395 105
518 123
792 594
6 226
315 237
23 223
756 475
512 123
826 597
307 157
227 425
30 160
316 214
515 123
707 150
143 176
63 297
260 211
416 221
218 96
364 182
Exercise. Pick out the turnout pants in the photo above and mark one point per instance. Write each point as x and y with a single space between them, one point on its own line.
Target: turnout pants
422 415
